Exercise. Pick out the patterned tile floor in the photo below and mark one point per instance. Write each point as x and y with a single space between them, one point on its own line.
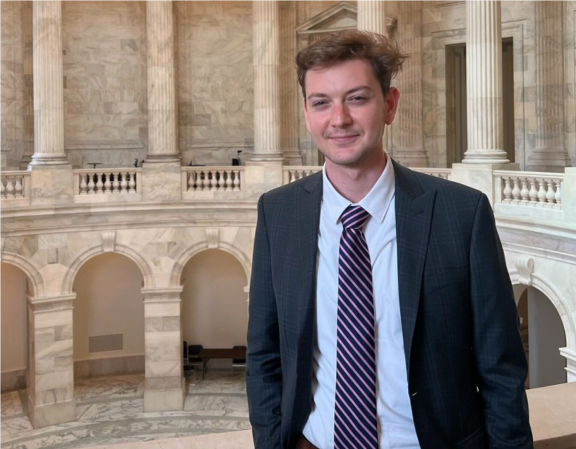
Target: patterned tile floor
110 411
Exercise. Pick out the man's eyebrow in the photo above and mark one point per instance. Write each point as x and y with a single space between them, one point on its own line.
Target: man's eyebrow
348 92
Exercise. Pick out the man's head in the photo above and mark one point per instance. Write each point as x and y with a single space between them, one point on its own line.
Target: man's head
345 80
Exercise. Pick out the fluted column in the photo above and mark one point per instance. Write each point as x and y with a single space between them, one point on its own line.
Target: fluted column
48 84
28 86
409 125
162 135
266 81
372 16
484 83
550 152
289 87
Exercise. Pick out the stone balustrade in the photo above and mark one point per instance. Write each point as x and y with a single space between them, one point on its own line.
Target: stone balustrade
443 173
295 172
529 188
105 184
212 179
15 188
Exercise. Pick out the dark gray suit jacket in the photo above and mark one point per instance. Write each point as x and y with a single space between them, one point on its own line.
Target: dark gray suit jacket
465 362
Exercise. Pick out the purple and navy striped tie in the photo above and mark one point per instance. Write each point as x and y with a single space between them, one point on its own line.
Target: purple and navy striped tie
355 417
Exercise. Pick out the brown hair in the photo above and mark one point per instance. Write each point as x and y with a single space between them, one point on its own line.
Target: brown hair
385 59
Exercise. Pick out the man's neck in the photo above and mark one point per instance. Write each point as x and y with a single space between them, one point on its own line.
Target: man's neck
354 183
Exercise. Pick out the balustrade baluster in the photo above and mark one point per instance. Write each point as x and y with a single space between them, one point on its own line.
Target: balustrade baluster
204 179
236 181
99 183
507 190
541 192
132 182
9 188
516 191
2 188
213 181
83 184
558 194
550 192
190 181
229 181
116 183
533 194
525 192
107 183
91 184
124 183
18 187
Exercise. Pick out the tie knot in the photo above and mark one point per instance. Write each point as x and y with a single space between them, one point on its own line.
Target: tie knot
354 217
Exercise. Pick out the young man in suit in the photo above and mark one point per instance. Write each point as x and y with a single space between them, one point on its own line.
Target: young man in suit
381 311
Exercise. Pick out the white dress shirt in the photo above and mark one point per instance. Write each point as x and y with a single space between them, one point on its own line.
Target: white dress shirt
395 421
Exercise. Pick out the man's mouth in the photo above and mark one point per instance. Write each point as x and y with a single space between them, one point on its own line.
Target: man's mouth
343 139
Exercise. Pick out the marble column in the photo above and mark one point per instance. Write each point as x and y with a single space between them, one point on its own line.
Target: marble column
484 83
289 85
372 16
550 152
50 376
165 386
266 81
28 86
161 172
409 125
162 135
48 84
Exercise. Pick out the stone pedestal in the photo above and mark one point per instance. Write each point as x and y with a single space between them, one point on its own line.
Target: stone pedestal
480 176
50 361
569 205
262 176
165 386
161 181
51 184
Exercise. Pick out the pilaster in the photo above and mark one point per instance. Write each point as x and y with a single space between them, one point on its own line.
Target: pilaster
50 361
48 84
165 386
550 152
162 135
409 125
484 83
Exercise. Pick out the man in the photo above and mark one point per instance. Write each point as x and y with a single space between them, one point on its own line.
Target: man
381 310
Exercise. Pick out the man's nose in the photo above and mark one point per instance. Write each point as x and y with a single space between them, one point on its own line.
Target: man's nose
340 116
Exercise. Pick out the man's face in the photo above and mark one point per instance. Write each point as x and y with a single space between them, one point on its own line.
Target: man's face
346 111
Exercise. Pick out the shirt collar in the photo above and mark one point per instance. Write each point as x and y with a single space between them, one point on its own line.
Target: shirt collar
376 202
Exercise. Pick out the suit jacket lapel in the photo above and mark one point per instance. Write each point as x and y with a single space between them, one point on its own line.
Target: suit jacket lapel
309 199
413 218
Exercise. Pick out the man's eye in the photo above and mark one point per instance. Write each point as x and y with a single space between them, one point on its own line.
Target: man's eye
318 103
357 98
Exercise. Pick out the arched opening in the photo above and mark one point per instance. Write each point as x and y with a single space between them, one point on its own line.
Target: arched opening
542 335
214 308
15 290
108 317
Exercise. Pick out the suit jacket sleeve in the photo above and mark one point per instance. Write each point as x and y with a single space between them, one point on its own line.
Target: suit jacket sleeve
500 358
263 370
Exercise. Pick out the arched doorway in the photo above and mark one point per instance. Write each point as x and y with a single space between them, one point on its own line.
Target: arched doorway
542 335
15 290
214 307
108 317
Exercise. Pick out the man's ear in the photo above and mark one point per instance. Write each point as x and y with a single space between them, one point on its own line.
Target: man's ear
392 101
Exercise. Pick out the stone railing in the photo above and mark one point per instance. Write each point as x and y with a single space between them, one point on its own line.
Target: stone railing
199 180
295 172
15 188
443 173
530 189
107 184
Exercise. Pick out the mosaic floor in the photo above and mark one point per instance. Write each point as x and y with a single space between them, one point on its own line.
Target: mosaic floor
110 411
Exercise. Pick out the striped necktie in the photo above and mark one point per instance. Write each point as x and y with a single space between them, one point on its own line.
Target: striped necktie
355 417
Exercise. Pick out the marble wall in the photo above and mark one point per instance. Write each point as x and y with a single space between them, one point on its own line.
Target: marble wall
105 100
215 81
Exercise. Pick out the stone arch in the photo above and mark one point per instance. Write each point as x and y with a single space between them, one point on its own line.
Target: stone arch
96 251
555 298
33 274
190 252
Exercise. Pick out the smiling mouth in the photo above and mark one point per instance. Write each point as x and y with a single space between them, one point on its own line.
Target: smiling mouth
343 138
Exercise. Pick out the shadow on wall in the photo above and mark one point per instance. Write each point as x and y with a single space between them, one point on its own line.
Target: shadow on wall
542 335
214 304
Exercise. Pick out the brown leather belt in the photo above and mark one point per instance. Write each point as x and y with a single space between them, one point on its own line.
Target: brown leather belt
303 443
